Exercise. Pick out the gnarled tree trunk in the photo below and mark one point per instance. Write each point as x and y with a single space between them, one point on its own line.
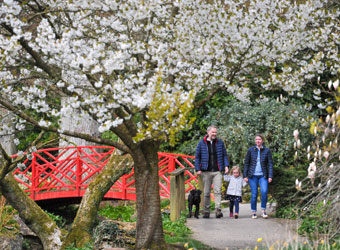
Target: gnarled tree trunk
33 216
149 219
82 225
45 228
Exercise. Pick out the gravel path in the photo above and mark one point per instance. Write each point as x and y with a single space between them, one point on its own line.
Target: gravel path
243 233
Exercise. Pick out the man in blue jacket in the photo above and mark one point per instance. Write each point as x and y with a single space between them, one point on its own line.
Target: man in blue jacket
211 162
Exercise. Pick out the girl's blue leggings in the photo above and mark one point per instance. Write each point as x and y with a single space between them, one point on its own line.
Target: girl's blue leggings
237 206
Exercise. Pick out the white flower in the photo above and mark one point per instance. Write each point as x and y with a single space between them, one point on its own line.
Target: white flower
21 153
311 170
336 84
45 124
21 166
16 141
321 106
326 154
296 133
60 84
330 84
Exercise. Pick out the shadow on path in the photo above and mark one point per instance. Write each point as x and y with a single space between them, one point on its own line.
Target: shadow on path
243 233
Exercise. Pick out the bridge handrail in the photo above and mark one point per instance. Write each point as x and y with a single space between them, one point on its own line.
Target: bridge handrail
66 172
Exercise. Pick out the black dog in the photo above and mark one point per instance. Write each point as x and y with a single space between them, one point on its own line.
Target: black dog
194 198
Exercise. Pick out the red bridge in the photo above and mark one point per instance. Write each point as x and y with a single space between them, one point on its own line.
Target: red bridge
63 174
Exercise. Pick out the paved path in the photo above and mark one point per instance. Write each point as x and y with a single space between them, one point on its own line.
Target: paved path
243 233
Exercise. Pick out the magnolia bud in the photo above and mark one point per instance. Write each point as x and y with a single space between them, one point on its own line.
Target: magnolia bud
330 84
326 154
296 133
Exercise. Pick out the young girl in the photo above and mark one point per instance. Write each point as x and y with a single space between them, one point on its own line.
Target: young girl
234 191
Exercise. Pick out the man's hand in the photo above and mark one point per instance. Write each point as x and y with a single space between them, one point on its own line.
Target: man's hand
199 172
226 169
270 180
245 179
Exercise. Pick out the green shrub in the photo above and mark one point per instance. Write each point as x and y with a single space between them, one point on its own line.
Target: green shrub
122 213
287 212
178 227
312 224
88 246
238 124
59 220
7 221
165 203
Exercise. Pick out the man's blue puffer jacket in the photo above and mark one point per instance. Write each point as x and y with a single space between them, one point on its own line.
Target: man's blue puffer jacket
251 159
202 155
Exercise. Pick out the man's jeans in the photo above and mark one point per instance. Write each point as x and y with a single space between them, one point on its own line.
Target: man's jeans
253 183
215 179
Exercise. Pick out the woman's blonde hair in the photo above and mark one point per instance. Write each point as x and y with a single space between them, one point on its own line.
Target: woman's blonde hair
237 168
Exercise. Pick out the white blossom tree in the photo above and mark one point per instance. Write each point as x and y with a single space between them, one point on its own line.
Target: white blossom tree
136 66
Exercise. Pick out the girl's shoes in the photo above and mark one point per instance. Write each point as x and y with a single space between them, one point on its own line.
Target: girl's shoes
231 215
236 216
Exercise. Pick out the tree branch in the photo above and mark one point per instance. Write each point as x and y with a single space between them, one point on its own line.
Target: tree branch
210 94
38 60
86 137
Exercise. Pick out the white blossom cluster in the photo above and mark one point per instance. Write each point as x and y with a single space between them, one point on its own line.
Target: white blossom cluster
111 59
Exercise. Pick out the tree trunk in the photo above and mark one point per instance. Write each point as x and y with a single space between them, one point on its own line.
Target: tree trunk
149 219
7 140
82 225
73 121
34 217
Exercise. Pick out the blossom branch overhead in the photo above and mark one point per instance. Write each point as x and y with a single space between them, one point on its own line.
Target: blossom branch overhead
115 60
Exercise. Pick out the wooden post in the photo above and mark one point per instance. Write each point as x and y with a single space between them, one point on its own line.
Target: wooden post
181 190
177 193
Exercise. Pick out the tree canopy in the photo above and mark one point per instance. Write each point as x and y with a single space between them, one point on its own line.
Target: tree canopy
143 62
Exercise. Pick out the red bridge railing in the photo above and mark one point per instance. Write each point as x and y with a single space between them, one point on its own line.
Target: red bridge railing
66 172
